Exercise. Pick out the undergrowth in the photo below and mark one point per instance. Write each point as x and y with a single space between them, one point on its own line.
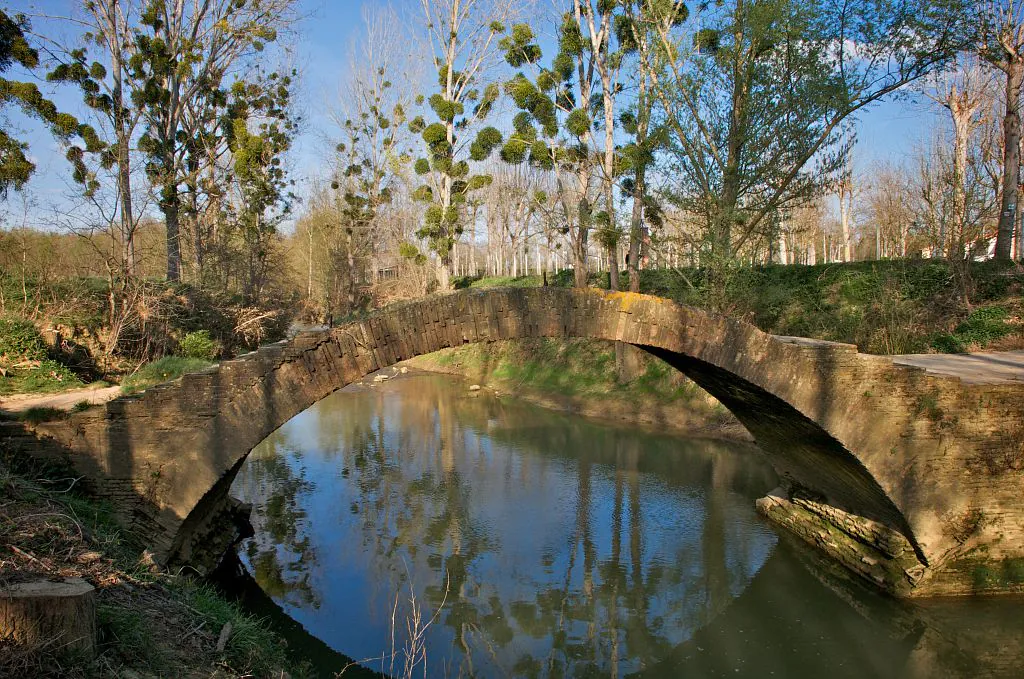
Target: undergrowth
149 622
25 362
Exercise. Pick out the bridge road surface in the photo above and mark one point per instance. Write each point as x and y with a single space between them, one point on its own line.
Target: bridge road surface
997 367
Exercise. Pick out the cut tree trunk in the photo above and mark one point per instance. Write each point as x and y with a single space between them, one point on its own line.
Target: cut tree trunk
57 614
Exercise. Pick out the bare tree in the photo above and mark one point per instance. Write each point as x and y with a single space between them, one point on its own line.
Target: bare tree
463 38
1001 43
887 204
846 186
964 91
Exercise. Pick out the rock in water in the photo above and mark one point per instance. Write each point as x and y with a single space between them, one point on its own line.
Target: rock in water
59 613
474 387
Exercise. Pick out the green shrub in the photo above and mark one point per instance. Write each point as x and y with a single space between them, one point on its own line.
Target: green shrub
983 326
162 370
20 340
199 344
25 366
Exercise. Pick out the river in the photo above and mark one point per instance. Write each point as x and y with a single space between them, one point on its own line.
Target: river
415 524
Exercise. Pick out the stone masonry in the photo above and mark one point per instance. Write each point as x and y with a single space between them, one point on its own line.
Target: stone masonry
913 480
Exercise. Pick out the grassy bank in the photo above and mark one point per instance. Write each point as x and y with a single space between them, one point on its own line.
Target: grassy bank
581 376
60 334
150 624
162 370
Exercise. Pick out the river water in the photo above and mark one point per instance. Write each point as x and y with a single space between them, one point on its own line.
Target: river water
414 524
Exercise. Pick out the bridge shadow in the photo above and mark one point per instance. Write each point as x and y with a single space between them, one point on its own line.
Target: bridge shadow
800 616
799 448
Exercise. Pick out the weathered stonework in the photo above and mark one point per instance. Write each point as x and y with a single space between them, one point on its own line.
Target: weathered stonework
914 466
870 549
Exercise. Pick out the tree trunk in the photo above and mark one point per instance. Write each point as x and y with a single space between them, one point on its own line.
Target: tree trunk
613 267
580 273
170 210
845 206
742 73
963 114
60 614
783 250
444 279
636 234
1008 209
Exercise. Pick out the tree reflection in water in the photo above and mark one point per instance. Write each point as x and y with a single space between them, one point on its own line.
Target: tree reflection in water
559 547
281 553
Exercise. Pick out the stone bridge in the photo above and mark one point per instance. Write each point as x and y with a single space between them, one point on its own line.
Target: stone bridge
913 480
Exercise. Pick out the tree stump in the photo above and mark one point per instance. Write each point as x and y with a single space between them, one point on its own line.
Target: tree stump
58 614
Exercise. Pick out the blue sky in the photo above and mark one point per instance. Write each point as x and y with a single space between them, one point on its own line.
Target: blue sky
322 53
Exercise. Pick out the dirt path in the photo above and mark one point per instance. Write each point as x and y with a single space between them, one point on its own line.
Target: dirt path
65 400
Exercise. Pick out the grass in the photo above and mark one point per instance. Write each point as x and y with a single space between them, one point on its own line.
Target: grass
38 414
127 629
42 377
162 370
25 363
579 369
252 648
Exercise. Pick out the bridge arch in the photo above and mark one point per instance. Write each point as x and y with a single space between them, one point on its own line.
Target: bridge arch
834 423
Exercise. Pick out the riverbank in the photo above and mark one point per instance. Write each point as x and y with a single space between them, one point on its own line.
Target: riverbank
149 623
582 377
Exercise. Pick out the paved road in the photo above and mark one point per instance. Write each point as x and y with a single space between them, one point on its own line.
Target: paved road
999 367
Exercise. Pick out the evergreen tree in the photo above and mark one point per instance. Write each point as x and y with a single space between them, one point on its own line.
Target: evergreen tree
756 91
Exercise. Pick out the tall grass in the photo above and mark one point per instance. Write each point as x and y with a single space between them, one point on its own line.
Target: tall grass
162 370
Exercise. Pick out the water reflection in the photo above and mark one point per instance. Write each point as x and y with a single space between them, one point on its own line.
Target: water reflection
552 546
